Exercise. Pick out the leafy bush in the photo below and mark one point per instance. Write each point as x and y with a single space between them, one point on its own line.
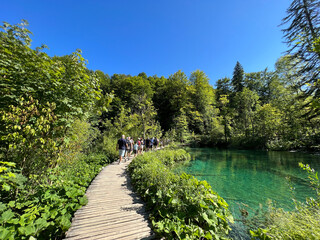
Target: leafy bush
280 145
63 80
169 158
32 136
44 211
109 147
78 139
11 181
45 140
182 207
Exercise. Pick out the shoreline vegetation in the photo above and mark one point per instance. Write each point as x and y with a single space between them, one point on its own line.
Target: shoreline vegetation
181 207
269 221
60 122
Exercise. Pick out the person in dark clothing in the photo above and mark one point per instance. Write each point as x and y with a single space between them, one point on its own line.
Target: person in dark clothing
151 143
147 144
129 148
155 143
121 146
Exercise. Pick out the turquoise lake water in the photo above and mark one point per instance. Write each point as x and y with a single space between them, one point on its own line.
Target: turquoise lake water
252 177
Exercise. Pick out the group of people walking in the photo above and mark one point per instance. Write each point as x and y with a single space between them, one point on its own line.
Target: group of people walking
127 146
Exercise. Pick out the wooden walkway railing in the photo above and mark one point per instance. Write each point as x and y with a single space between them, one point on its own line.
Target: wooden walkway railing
113 211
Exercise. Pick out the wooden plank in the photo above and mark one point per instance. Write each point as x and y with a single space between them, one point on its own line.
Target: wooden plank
109 230
107 227
108 213
128 234
102 219
113 211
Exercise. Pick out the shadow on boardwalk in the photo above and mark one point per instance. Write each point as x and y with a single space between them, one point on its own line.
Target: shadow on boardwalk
113 211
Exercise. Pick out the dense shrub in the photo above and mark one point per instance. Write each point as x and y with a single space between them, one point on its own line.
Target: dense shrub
48 147
108 147
182 207
44 211
44 171
169 158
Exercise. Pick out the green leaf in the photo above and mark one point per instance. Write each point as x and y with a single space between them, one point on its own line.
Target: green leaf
53 213
208 235
14 221
11 204
83 200
27 230
65 222
21 221
10 164
6 187
5 233
41 223
7 215
2 206
205 217
174 201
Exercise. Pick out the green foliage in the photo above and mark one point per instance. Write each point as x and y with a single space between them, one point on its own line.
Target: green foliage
144 117
269 119
238 78
302 30
106 144
64 81
200 110
314 182
11 181
170 97
48 151
78 139
182 207
60 123
256 110
302 223
32 135
172 157
45 211
280 145
244 119
182 133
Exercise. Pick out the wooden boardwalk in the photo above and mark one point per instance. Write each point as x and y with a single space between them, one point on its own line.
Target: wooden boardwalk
113 211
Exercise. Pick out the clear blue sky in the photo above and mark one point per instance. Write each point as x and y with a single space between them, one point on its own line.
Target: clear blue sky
157 37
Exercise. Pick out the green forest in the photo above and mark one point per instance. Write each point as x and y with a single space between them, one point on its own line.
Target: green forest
60 121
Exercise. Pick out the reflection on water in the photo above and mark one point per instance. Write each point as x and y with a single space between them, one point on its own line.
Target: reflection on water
252 177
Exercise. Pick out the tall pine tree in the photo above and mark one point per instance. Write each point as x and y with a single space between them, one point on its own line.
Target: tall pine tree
238 78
